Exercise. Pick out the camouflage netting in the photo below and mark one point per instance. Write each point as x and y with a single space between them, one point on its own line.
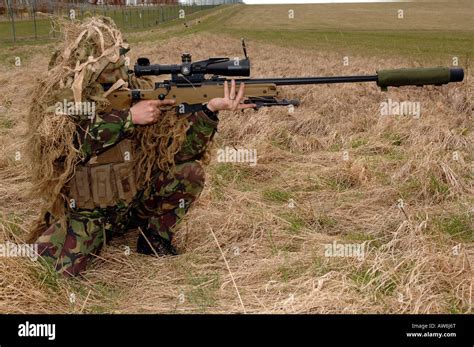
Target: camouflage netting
89 48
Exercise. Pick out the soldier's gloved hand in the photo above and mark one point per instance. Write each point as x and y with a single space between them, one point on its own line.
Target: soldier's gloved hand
148 111
230 101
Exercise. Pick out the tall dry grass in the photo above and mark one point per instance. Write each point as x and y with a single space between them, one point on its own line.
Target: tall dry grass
419 252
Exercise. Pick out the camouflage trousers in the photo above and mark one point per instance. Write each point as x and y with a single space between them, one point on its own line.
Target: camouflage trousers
158 208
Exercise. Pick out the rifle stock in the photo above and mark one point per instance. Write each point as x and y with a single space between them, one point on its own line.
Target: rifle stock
122 99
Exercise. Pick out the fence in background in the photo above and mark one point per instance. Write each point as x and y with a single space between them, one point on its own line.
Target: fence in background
32 20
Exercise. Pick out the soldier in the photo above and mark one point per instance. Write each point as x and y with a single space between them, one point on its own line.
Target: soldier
103 196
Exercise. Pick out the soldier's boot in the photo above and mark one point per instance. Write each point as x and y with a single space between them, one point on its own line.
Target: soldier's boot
164 203
152 243
70 251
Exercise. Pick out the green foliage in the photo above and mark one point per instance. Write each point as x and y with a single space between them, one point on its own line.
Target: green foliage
394 138
437 187
288 272
360 237
203 291
325 222
339 183
365 276
358 143
459 226
6 123
47 275
410 187
276 195
296 222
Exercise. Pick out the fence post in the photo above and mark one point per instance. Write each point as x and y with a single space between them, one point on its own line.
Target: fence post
34 19
10 9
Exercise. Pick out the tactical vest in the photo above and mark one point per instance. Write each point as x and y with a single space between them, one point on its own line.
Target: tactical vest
105 180
109 177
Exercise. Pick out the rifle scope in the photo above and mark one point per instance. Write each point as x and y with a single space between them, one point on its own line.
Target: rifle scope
214 66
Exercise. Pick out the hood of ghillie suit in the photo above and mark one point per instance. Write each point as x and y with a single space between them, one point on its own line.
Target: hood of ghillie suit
88 55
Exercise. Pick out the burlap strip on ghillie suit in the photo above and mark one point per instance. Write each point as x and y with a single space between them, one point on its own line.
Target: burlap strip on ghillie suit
88 49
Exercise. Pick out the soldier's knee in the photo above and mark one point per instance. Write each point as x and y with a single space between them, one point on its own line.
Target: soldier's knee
69 251
191 173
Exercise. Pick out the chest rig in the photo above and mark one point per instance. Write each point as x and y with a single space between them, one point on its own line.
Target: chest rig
109 177
106 179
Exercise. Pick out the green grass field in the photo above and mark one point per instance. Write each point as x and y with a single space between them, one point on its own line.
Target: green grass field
435 30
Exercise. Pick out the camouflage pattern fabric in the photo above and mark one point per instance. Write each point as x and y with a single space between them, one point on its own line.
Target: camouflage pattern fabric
104 131
198 137
158 208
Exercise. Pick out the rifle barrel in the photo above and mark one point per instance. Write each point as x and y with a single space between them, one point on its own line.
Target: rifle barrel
383 78
292 81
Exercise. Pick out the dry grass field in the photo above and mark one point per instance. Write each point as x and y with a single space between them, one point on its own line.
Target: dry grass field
271 222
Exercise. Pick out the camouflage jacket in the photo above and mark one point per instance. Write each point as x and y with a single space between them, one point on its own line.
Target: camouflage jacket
108 129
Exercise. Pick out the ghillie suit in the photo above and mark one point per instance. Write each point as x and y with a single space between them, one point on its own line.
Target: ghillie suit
97 173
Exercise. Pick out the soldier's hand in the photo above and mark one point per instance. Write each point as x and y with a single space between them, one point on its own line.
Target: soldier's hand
230 101
148 111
